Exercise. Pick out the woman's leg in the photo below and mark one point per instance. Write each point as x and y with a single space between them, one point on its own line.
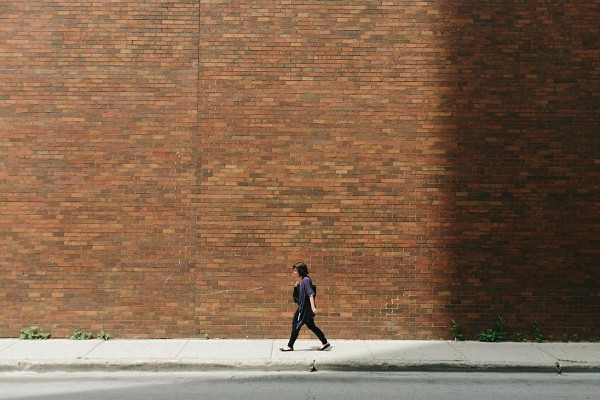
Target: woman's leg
295 331
310 324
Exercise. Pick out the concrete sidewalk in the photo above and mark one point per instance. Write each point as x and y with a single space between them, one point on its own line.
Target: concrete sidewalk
344 355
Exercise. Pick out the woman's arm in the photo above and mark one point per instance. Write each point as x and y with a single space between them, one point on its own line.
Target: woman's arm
312 304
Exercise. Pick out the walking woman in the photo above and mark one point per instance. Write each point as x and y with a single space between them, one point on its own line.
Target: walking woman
305 314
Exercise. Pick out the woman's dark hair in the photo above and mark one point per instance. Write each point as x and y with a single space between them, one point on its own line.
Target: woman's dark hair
301 268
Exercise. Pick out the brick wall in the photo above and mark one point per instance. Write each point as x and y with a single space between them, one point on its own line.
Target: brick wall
164 163
98 121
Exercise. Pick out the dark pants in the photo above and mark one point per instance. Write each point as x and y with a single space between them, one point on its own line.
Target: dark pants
310 324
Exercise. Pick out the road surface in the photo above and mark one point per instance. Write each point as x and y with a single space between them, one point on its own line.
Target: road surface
300 385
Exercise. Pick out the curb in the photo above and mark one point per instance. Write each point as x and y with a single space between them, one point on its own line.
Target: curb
186 366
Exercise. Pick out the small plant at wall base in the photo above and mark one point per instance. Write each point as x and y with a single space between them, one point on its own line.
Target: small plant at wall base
34 333
456 331
81 335
575 338
537 332
517 337
494 335
102 335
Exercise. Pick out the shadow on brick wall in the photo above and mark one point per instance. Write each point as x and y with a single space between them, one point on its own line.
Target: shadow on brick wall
524 185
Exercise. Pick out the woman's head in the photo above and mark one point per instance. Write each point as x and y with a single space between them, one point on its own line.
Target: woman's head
301 268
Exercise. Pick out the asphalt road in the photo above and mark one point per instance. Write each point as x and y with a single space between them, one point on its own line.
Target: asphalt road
305 385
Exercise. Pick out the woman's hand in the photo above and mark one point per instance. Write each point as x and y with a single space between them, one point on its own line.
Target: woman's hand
314 310
297 284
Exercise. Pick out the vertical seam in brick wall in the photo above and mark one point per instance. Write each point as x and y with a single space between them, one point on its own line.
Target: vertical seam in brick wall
197 172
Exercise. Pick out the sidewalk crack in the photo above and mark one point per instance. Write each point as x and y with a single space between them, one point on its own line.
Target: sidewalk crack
272 347
369 349
457 350
540 348
183 348
9 346
93 348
